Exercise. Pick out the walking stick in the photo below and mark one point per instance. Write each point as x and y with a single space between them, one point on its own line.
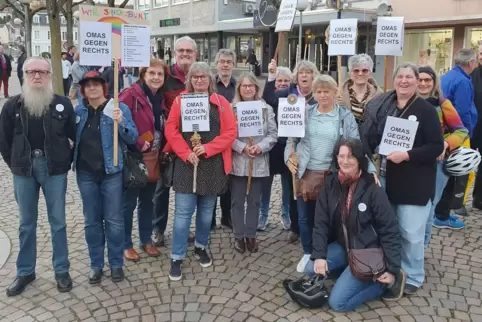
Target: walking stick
195 141
250 170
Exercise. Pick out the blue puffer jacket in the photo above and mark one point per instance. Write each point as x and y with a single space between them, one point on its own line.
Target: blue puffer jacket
127 135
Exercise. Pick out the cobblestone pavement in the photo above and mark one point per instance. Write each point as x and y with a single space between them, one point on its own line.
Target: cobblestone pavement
236 288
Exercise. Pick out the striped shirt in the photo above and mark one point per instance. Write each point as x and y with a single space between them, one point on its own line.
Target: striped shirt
323 131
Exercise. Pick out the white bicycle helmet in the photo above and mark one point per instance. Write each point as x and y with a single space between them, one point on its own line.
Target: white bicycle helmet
462 161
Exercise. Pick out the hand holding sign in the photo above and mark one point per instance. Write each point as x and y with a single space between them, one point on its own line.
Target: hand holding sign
398 136
272 67
398 157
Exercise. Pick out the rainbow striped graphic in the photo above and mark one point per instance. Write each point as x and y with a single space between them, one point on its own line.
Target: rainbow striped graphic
116 24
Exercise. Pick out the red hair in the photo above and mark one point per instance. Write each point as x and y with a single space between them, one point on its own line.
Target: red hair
104 88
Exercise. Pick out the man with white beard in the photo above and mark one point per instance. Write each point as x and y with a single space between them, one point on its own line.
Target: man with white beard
35 129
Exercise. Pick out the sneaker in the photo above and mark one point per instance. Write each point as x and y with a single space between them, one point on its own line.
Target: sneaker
449 223
303 262
202 256
262 222
454 217
175 273
286 222
461 211
395 292
410 289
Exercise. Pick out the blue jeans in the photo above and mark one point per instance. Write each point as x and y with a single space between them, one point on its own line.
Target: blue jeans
348 293
411 223
26 190
185 205
102 203
266 196
306 216
440 183
142 198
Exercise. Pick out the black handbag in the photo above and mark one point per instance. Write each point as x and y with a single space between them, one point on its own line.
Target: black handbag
167 168
135 171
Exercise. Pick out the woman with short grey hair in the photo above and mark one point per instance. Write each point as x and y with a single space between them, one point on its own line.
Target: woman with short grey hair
284 77
360 88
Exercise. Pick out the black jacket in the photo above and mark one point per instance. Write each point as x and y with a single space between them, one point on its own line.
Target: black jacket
410 182
374 227
271 96
59 126
8 62
476 140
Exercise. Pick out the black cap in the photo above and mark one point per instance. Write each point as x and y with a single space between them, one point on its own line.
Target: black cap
93 75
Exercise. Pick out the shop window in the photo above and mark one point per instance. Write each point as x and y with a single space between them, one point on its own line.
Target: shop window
429 47
161 3
473 38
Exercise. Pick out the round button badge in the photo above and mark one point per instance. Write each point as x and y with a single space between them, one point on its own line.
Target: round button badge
412 118
59 107
362 207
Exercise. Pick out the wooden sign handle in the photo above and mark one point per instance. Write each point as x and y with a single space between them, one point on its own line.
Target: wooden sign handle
340 78
116 106
385 74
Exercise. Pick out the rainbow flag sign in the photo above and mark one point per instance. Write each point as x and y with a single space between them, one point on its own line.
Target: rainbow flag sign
133 23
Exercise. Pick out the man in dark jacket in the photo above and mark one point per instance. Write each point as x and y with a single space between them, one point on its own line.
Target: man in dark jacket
185 51
6 70
20 61
37 133
476 141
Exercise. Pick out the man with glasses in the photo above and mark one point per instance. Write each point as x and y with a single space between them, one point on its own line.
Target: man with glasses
225 86
185 51
37 132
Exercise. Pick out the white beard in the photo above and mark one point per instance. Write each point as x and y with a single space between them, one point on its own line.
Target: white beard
37 101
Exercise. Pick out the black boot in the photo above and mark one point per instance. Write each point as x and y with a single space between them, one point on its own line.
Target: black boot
64 282
95 276
395 292
117 275
19 284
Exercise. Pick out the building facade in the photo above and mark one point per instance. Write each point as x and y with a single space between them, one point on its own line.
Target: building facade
41 41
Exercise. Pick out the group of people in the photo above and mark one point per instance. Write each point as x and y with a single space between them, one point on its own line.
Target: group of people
347 195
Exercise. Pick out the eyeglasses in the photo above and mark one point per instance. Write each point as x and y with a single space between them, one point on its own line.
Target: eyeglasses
364 71
201 78
185 51
426 80
225 62
41 73
153 73
305 72
247 86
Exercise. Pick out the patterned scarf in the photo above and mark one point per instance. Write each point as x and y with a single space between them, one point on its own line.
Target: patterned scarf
358 107
348 185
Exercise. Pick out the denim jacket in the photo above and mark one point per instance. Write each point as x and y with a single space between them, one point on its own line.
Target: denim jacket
348 130
127 135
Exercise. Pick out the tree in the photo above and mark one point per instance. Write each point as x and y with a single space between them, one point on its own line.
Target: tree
68 12
25 12
53 11
283 48
111 3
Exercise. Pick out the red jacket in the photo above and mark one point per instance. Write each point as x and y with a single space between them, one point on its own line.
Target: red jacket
173 86
221 144
142 114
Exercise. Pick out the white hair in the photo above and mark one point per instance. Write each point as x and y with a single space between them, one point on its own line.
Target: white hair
360 60
284 71
305 65
464 56
188 39
36 58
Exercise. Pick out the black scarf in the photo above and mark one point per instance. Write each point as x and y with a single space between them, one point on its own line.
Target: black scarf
156 101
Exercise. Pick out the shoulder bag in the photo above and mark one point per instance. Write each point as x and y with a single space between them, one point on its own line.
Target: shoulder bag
135 171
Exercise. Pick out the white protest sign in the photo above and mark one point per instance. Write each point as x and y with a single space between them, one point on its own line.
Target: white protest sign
95 43
390 31
195 112
398 135
109 108
250 118
135 51
291 116
286 15
342 37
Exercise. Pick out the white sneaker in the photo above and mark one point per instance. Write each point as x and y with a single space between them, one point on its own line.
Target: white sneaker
303 262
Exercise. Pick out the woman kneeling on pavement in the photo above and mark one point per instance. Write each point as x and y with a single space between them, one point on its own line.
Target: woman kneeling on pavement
100 182
250 157
410 175
326 123
145 101
207 154
353 212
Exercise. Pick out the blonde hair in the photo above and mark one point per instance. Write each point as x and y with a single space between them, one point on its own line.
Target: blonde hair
324 81
252 79
304 65
200 67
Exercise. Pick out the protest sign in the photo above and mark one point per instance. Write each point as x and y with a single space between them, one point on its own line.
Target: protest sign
343 34
136 51
250 118
286 15
195 112
291 117
95 43
390 33
398 135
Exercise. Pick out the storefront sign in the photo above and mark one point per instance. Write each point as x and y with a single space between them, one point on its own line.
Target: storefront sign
170 22
343 34
398 135
95 43
250 118
195 112
390 34
286 15
291 116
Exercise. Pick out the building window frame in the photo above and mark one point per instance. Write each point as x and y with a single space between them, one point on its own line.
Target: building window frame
36 19
155 5
466 34
36 34
146 5
179 3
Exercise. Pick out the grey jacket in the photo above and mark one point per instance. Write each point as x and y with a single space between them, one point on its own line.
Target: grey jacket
265 142
348 129
78 72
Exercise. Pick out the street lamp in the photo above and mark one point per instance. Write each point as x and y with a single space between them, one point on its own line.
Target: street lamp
301 6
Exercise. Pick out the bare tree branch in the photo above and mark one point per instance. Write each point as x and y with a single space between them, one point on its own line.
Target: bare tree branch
63 11
78 3
33 12
12 5
123 4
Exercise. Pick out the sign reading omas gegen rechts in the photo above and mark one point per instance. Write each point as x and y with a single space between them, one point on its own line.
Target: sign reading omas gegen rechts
95 43
250 118
195 112
390 33
343 34
398 135
291 116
